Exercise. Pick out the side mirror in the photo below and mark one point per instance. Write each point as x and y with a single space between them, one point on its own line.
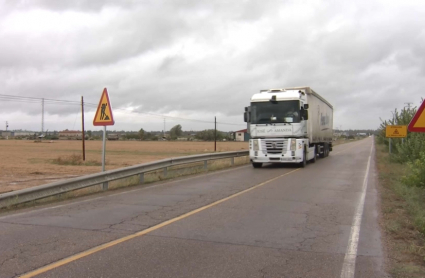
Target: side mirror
305 116
247 114
306 106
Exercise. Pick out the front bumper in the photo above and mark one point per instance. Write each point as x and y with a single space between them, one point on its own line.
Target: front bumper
260 157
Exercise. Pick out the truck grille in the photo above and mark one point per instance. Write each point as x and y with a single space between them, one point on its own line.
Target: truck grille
274 146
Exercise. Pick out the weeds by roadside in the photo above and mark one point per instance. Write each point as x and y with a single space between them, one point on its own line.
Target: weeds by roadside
403 210
75 160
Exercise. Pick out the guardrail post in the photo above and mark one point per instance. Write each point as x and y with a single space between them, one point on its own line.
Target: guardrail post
142 178
105 186
165 172
206 165
232 161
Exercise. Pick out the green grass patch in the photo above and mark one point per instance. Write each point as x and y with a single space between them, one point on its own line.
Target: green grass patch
403 211
407 270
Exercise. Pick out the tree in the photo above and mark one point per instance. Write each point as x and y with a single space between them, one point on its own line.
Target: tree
141 133
209 134
148 136
132 135
175 132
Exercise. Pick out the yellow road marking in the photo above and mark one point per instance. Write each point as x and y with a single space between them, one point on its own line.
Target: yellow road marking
140 233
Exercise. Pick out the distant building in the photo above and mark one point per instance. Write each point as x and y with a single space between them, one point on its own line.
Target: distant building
242 135
17 134
23 133
6 134
113 136
69 134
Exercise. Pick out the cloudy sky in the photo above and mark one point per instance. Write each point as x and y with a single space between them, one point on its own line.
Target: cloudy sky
186 62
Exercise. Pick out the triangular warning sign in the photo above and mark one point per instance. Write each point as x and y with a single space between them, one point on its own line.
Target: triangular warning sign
103 116
418 122
396 132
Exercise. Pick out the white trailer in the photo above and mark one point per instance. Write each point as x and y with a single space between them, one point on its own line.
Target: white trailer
291 125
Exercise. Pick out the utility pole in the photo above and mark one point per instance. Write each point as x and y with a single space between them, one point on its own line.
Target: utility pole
83 135
163 132
7 125
215 134
42 116
408 104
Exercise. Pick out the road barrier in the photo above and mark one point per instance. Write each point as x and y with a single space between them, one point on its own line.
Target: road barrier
51 189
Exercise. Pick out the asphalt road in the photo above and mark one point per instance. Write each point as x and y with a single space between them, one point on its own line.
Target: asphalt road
319 221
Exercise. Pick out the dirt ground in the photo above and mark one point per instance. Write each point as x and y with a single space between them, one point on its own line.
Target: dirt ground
25 163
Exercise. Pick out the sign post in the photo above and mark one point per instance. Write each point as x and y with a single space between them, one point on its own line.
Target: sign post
104 117
395 131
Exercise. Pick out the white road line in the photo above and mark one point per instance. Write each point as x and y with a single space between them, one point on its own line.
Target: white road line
349 264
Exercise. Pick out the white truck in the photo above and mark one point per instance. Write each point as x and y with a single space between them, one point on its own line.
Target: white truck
291 125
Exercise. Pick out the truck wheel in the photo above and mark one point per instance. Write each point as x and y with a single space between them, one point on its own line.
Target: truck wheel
315 155
321 151
257 164
326 150
304 162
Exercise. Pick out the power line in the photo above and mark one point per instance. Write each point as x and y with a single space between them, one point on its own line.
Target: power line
34 99
69 102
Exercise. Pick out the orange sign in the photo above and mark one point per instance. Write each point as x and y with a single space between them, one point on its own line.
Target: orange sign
418 122
396 131
103 116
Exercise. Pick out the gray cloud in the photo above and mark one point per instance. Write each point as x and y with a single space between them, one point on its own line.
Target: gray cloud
209 57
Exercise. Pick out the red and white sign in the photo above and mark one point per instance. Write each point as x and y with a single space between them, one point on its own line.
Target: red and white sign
103 116
418 122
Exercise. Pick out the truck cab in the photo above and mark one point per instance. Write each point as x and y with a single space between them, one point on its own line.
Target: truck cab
280 129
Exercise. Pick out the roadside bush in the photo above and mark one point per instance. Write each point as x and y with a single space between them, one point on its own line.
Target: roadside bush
407 149
416 172
410 149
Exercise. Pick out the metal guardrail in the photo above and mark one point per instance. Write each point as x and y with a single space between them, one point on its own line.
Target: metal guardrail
55 188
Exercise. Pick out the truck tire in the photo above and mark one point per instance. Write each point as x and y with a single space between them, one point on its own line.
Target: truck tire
321 148
257 164
313 160
326 149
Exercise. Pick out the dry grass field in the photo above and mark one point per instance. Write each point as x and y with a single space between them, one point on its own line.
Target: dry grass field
25 163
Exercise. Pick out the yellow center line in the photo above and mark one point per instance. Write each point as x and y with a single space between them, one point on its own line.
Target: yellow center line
141 233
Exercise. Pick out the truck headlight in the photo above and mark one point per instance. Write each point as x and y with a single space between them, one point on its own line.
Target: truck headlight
293 145
255 142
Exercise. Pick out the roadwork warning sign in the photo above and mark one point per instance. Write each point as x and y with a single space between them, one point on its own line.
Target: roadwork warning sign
103 116
417 124
396 131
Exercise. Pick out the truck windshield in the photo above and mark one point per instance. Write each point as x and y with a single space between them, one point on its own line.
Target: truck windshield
277 112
